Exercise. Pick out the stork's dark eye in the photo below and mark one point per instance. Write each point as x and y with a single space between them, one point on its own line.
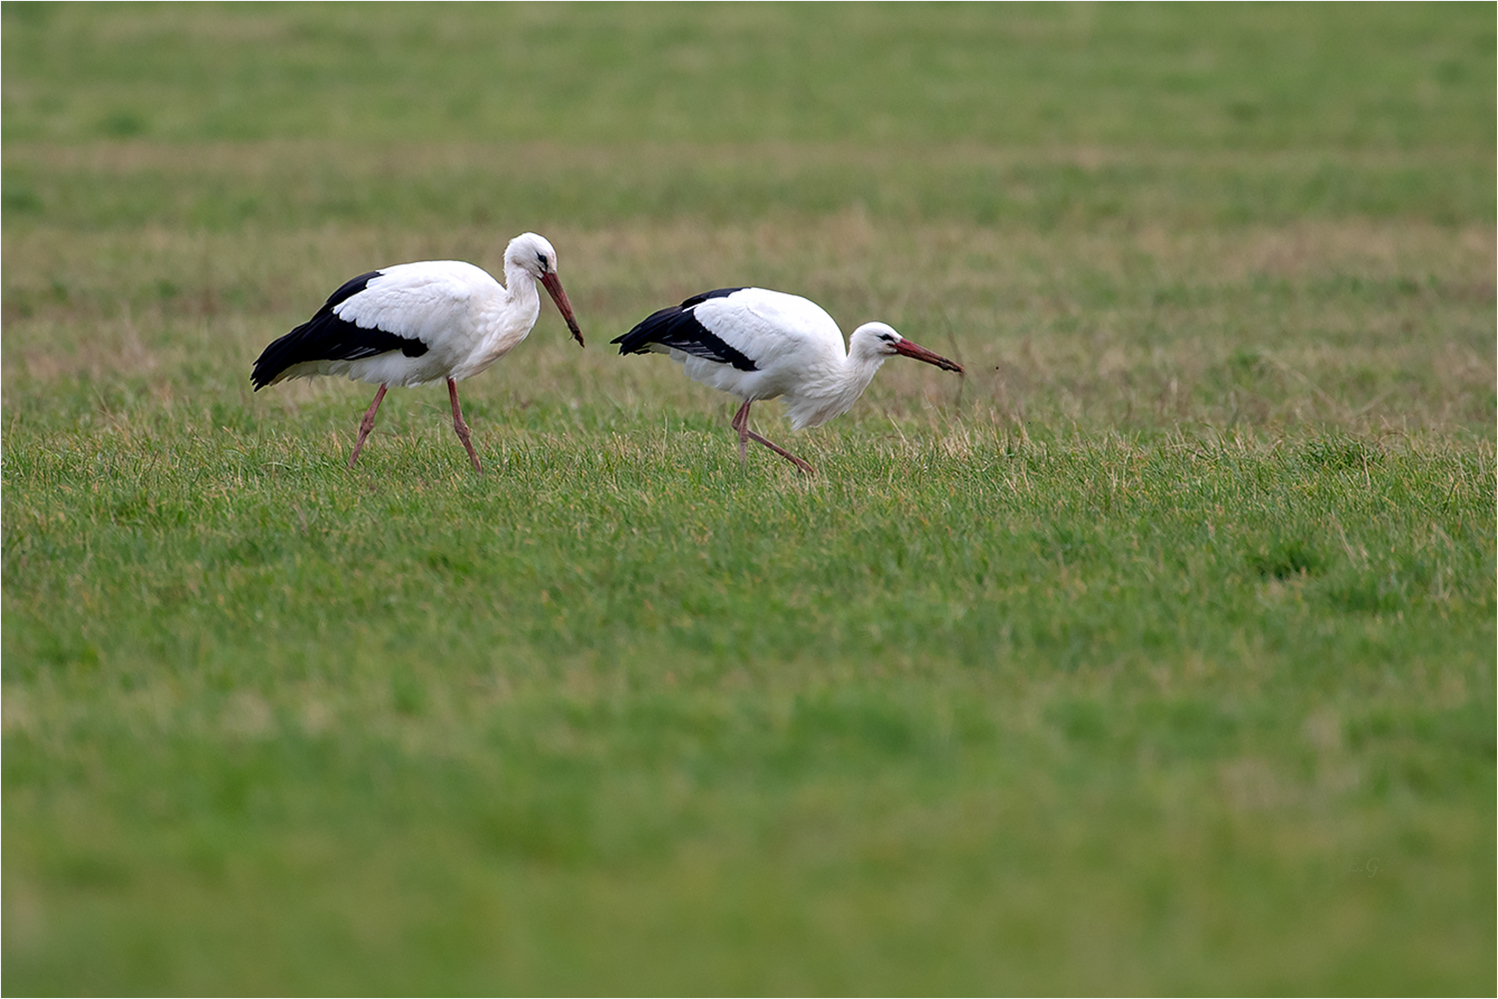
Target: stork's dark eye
886 338
545 264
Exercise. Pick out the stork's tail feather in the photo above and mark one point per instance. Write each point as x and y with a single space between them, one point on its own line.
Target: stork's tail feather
282 353
677 328
648 331
325 337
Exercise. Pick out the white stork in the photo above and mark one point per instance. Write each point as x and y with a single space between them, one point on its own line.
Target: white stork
416 323
759 344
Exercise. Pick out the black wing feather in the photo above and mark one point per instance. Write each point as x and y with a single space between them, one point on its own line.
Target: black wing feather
678 328
715 293
325 337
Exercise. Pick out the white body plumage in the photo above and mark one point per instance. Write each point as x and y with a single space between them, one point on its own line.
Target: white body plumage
761 344
411 324
466 318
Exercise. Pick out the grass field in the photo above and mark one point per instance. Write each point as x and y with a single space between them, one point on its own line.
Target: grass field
1154 655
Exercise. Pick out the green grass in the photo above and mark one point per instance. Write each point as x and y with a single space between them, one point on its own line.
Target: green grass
1155 655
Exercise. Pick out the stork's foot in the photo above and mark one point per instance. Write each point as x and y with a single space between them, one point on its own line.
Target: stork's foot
803 466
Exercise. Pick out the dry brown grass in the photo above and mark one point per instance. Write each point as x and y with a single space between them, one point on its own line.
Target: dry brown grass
1369 327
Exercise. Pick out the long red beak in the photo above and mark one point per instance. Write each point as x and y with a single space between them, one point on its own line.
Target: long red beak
554 286
920 353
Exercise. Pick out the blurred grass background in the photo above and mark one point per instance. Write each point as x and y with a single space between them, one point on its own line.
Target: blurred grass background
1154 655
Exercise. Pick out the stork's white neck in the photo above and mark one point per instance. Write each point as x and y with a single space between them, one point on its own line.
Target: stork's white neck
836 390
507 319
858 370
521 306
520 286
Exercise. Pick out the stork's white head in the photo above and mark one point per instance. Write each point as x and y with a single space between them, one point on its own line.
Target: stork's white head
533 254
535 257
877 342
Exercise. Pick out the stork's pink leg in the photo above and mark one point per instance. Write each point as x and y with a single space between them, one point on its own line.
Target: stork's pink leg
461 427
782 452
741 424
367 425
